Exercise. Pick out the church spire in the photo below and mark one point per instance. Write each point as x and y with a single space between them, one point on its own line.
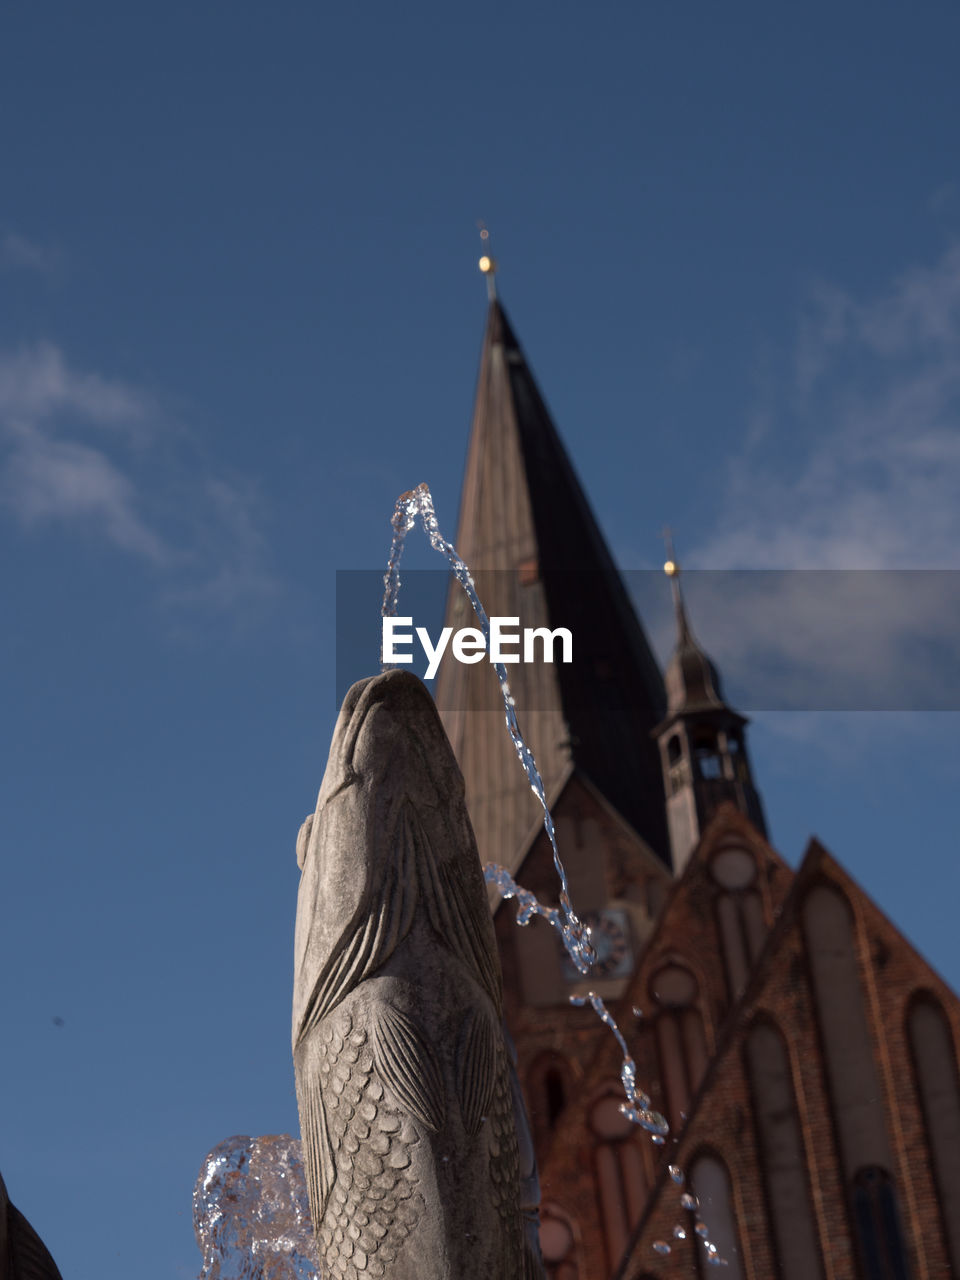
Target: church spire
702 740
672 570
528 533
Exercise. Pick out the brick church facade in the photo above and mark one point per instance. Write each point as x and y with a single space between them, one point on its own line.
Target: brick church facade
803 1053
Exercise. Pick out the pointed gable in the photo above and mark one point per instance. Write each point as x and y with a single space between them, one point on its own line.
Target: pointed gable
827 1124
672 1014
527 532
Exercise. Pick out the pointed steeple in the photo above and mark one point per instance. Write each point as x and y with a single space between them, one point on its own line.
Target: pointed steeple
528 533
702 740
692 681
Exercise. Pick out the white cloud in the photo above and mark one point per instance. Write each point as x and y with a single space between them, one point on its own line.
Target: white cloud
48 481
82 451
37 384
230 562
859 464
19 253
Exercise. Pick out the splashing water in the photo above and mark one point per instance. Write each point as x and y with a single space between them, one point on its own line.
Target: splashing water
250 1211
637 1106
575 936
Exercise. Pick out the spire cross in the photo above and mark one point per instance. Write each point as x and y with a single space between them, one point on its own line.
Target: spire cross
488 264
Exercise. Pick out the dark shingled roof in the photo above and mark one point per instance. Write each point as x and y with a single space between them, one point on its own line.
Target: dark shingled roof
523 511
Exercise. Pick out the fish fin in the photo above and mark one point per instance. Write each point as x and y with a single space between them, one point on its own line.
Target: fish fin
318 1155
406 1063
378 926
476 1068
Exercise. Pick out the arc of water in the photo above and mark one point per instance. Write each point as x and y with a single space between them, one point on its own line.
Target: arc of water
575 935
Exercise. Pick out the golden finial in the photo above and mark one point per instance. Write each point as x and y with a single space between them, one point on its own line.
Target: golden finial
487 263
670 567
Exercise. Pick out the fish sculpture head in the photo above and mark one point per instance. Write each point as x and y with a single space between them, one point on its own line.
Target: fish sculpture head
390 830
388 741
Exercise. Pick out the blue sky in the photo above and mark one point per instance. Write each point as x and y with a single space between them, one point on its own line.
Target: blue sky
240 313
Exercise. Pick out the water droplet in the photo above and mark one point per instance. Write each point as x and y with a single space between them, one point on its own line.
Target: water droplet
676 1173
679 1232
637 1013
701 1229
689 1202
658 1140
661 1247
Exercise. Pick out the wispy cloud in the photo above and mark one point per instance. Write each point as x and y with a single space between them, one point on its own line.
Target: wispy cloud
850 460
17 253
37 385
230 565
83 451
859 462
61 482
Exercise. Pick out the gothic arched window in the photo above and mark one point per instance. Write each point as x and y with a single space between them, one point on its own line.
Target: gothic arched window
782 1155
938 1087
547 1090
555 1093
877 1222
622 1182
740 918
681 1042
856 1091
676 769
710 1183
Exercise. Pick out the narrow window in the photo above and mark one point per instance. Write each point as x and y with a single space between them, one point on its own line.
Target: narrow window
935 1068
706 754
877 1219
555 1095
710 1182
681 1042
782 1156
675 767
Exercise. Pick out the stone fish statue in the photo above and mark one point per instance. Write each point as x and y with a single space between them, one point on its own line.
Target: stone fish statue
403 1080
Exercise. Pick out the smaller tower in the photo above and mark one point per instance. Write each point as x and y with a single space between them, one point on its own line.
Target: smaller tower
702 741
